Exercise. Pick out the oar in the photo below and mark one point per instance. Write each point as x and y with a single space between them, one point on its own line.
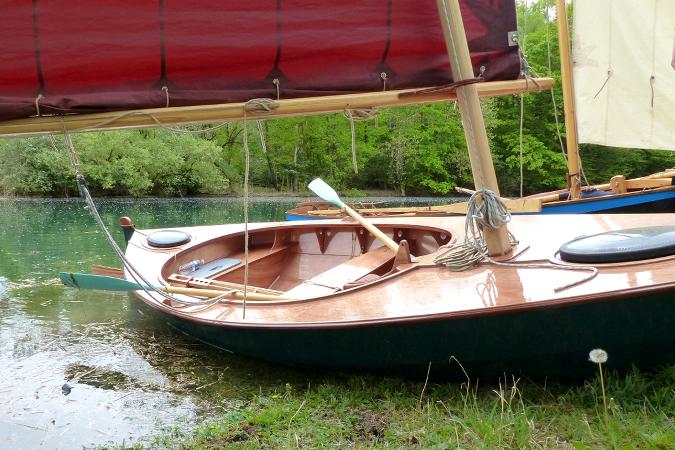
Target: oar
323 190
105 283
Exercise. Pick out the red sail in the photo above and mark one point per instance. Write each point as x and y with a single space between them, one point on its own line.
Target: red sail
63 56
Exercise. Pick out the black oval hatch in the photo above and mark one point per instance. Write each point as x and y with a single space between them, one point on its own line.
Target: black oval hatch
168 238
621 245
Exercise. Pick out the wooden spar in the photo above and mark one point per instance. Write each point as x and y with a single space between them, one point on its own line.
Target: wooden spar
662 179
235 111
573 179
653 181
472 118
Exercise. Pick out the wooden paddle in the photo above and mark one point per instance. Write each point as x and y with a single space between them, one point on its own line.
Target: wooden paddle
323 190
105 283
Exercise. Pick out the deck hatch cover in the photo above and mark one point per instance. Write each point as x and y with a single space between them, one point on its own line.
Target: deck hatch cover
168 238
621 245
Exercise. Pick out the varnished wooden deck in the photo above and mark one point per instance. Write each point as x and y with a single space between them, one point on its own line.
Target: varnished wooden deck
424 291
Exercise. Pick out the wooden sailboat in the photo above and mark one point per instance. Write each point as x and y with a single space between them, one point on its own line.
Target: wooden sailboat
376 295
339 299
619 103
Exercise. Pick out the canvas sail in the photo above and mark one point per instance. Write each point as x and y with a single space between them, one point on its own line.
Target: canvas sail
624 72
64 56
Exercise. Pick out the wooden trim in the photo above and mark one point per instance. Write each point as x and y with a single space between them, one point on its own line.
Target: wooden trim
666 174
98 269
207 283
144 118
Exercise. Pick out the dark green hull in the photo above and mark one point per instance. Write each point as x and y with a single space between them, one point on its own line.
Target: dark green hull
552 341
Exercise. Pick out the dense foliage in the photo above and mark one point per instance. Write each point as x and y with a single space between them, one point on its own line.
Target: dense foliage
417 150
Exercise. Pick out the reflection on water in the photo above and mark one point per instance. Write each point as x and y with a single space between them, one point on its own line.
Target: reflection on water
128 375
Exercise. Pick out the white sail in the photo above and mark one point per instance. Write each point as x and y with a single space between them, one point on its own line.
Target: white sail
624 72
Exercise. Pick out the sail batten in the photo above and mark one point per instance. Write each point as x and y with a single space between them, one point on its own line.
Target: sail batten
64 57
623 73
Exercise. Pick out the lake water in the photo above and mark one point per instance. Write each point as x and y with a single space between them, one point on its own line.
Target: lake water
128 375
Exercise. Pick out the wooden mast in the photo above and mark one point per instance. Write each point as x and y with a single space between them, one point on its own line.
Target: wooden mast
472 117
573 179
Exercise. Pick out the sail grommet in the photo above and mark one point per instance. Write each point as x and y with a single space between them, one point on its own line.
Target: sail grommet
168 238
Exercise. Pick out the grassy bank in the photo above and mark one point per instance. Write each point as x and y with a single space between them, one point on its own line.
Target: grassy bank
510 413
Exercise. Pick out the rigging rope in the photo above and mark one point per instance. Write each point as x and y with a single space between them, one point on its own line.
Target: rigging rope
550 74
353 115
37 104
255 106
166 93
525 67
486 210
246 175
490 212
145 285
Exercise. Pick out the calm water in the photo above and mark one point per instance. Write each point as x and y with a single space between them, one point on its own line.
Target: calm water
130 375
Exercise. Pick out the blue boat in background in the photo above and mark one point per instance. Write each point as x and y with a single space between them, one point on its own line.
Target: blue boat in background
594 200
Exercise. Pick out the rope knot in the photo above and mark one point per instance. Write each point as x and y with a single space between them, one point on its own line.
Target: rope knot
488 210
360 114
261 105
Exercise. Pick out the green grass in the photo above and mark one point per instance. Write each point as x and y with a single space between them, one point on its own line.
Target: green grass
372 412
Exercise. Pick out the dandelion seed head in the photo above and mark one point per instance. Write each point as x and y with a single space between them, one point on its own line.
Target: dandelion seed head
598 356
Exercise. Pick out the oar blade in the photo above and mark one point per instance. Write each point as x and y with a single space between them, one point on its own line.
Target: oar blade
323 190
100 282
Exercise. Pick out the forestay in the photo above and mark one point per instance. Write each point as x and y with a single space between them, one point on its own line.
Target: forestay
624 72
63 56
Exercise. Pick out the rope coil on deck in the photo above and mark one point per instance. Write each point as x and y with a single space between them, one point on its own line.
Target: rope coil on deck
489 213
492 213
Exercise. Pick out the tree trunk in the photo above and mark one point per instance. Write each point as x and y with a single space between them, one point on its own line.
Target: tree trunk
295 169
270 168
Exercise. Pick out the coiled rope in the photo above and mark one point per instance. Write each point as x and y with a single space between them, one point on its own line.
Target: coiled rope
490 212
486 210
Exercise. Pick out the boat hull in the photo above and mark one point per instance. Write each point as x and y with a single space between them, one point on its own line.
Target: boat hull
552 341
